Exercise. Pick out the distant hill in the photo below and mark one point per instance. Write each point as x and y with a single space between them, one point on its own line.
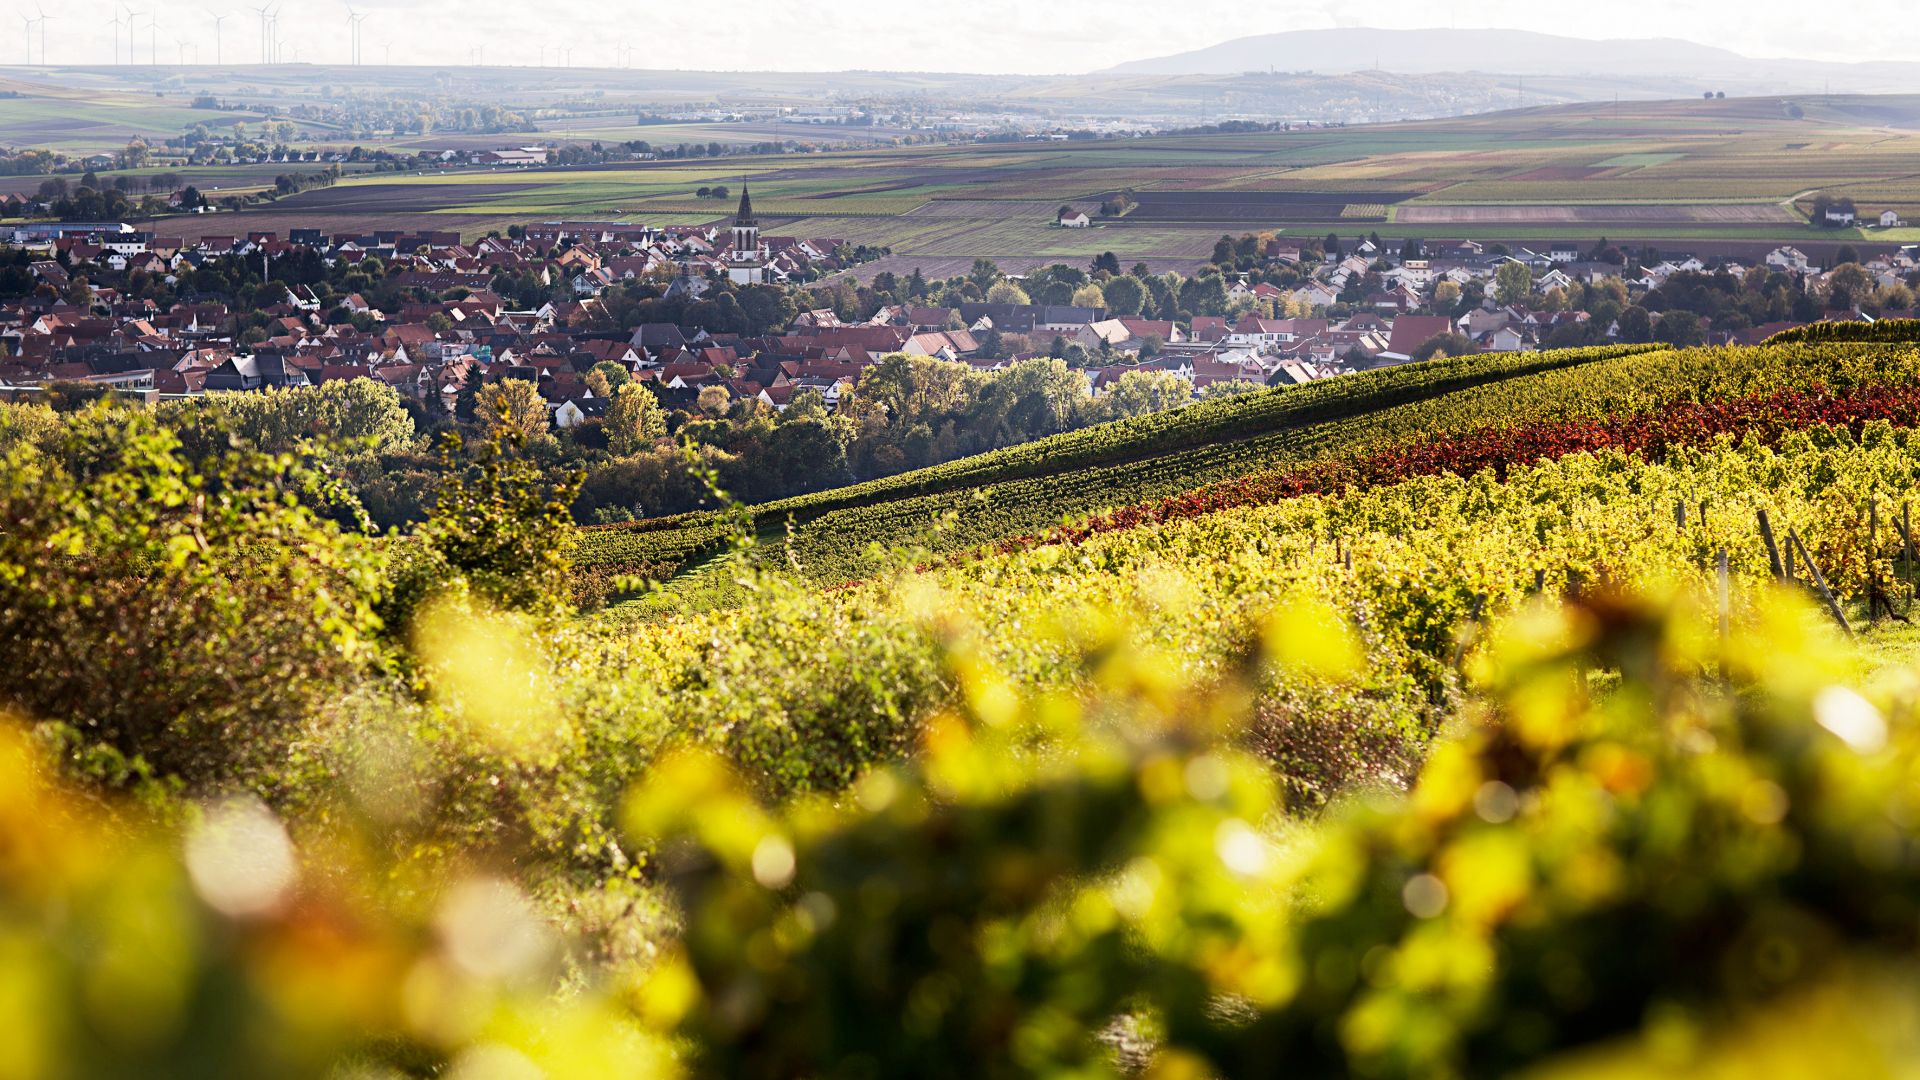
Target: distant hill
1516 52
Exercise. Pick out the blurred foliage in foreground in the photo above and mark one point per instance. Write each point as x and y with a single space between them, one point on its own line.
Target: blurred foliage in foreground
1641 852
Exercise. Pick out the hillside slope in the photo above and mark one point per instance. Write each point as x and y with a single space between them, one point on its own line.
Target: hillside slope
1037 484
1135 466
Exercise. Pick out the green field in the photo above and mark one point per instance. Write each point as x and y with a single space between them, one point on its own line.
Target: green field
1732 172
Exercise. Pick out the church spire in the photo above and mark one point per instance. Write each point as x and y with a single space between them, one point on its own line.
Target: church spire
745 215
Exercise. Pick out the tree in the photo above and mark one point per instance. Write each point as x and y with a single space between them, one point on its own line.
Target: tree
500 532
1028 400
1636 325
1203 295
1089 296
355 418
1108 262
983 274
1331 245
1846 254
1679 328
1848 286
634 419
1138 393
1123 295
615 374
1512 283
1230 388
1151 345
1006 292
807 403
713 401
1446 293
1223 254
1447 344
513 408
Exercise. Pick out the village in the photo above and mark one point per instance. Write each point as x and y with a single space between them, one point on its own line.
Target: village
1272 311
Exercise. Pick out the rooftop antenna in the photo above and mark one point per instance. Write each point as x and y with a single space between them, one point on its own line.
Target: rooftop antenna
217 20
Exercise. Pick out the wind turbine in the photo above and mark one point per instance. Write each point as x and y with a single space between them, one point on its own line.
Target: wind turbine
386 49
43 33
217 20
182 46
127 10
116 22
354 20
262 12
153 40
27 37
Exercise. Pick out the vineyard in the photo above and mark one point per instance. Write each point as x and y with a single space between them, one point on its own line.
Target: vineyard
1481 716
1320 437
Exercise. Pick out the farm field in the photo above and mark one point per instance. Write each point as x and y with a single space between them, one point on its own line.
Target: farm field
1731 173
75 121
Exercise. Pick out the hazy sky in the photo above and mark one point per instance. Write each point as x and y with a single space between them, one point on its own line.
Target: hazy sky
979 35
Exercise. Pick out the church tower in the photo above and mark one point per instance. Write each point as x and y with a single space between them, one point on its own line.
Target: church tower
746 231
745 266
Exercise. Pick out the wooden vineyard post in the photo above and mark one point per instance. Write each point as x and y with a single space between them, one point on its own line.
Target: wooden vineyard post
1725 601
1773 549
1874 595
1680 515
1819 582
1906 549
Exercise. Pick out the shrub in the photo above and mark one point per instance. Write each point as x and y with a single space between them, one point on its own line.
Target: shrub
498 530
191 616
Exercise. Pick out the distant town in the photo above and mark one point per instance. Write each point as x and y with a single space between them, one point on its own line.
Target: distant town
761 317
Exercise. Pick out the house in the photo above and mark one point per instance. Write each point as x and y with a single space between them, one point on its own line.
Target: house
1890 220
1839 215
1788 258
574 411
524 155
1074 219
1412 331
